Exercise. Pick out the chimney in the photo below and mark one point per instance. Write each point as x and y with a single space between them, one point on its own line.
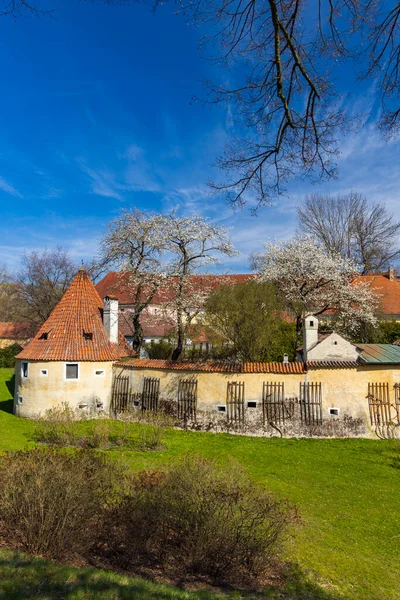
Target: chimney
110 318
310 334
391 274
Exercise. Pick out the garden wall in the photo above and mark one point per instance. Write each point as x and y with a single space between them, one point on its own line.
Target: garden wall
339 399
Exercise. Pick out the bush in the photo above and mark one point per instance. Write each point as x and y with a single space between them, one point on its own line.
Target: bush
198 518
159 350
51 502
8 354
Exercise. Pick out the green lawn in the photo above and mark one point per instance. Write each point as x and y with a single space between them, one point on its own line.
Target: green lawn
347 492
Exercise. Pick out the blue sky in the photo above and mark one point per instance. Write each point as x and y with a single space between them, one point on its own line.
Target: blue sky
96 114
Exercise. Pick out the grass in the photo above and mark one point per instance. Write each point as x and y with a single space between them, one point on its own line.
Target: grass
347 493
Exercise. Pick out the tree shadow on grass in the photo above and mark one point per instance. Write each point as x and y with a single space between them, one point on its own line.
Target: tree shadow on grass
23 577
7 405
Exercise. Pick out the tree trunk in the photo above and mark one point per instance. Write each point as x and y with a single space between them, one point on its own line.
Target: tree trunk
137 341
299 326
179 345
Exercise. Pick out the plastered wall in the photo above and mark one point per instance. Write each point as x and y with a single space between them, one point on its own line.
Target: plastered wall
41 392
345 389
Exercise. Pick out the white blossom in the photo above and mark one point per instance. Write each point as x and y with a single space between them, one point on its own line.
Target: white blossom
311 281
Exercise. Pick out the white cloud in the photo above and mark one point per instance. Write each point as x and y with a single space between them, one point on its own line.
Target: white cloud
9 188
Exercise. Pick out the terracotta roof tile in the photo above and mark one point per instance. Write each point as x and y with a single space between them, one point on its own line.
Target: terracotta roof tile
388 290
16 330
216 367
332 364
120 284
61 337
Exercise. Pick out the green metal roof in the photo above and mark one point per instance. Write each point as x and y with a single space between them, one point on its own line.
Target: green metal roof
379 353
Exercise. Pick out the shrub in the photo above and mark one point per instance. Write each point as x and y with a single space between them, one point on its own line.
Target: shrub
51 502
8 354
57 427
160 349
199 518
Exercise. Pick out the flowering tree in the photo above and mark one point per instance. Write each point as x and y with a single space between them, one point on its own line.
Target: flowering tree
135 244
314 282
194 244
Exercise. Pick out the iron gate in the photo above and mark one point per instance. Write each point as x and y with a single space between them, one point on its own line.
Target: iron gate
150 393
235 402
311 403
273 402
187 399
122 398
381 410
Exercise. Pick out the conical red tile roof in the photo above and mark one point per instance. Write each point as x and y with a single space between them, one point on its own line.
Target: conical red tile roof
62 336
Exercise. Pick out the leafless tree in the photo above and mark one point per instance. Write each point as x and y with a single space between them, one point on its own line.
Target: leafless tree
22 8
41 283
347 224
283 57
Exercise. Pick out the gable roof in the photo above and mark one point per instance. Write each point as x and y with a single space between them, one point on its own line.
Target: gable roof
61 337
121 285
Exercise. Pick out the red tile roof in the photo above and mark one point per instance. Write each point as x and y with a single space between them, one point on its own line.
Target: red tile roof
120 285
388 289
61 337
216 367
291 368
16 330
332 364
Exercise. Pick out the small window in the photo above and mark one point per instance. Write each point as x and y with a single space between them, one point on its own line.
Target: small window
88 335
136 403
71 371
20 400
252 404
99 372
221 408
43 372
24 370
334 412
335 342
311 323
44 336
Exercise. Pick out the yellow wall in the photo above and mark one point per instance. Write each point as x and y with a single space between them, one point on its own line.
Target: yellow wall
345 389
39 392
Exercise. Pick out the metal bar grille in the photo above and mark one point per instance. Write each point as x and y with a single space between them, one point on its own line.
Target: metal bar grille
187 399
397 401
235 402
379 404
311 403
273 402
122 397
150 393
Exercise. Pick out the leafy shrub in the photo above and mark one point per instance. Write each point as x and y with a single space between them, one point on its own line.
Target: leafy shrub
198 518
50 501
159 350
8 354
57 427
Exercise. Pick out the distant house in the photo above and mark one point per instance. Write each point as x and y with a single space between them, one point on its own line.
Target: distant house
15 332
158 320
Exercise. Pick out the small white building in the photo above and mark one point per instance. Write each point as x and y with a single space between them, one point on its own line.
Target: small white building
325 345
71 357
